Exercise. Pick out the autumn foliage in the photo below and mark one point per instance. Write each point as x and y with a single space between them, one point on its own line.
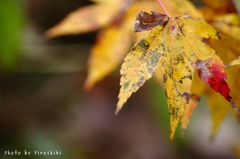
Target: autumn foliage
190 53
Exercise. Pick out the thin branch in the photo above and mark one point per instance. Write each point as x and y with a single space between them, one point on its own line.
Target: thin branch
164 9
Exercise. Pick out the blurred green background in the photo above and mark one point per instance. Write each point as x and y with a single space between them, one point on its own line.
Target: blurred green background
43 106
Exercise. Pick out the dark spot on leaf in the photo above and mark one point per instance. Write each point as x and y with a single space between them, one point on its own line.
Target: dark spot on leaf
178 37
126 84
154 60
164 78
190 77
181 30
163 46
144 45
150 70
187 96
141 81
165 94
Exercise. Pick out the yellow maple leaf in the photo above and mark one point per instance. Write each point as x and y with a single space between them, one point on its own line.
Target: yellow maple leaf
173 45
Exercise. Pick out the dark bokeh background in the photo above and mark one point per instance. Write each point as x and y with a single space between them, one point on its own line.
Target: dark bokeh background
43 106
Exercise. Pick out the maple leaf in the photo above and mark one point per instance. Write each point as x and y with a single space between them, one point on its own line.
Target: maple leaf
175 44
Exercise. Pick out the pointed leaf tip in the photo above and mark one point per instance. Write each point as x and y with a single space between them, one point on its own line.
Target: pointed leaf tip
117 110
233 105
171 143
87 87
120 105
234 62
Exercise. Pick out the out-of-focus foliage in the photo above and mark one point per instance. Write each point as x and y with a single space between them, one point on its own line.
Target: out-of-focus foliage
11 20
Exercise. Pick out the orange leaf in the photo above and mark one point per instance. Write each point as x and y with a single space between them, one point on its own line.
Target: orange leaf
189 112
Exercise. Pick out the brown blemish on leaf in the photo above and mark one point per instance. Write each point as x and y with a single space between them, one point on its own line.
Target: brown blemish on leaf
145 21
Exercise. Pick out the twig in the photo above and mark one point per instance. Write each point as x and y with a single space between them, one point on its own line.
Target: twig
164 9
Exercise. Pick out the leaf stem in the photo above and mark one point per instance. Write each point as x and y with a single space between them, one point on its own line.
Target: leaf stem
164 9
